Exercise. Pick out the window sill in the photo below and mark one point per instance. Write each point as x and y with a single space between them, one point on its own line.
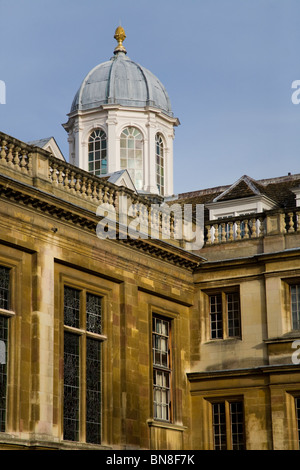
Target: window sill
166 425
7 313
235 339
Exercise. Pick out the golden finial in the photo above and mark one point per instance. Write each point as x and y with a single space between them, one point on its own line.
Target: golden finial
120 37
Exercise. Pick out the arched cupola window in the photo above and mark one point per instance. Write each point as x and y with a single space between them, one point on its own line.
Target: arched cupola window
97 153
131 153
159 159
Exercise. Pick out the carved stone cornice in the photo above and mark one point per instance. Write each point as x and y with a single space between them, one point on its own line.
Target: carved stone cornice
65 211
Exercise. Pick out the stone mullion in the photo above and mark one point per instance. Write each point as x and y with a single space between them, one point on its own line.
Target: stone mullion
43 343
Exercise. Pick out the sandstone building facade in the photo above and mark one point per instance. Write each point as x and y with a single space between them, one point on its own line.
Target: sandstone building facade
139 342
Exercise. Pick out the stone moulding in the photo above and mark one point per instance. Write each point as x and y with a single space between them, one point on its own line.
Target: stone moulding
85 219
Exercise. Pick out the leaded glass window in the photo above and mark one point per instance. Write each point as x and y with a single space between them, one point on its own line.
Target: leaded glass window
97 152
161 368
93 391
5 305
295 304
159 158
4 287
71 307
93 313
82 383
131 154
3 370
71 387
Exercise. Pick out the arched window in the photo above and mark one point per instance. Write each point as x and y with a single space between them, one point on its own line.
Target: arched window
97 153
131 153
159 156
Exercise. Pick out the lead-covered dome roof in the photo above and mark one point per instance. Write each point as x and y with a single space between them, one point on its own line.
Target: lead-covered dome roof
121 81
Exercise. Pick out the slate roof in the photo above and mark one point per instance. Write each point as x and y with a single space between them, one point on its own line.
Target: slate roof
278 189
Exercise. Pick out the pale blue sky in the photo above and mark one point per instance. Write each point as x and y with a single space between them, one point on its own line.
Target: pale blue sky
227 65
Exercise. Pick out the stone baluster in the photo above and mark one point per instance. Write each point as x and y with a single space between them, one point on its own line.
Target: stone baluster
94 192
253 227
17 158
291 222
60 175
66 180
111 197
298 221
208 230
216 233
246 230
231 236
10 156
223 232
77 184
54 173
23 161
261 227
72 182
89 189
3 152
29 164
100 194
83 186
172 225
238 230
105 197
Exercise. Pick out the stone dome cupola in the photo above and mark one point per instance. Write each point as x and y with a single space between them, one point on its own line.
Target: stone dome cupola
115 96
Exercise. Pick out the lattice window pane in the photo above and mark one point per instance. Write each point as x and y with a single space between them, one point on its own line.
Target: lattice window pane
216 316
159 150
233 311
97 152
161 391
93 313
131 144
295 303
4 287
237 425
71 386
71 307
93 391
219 426
3 370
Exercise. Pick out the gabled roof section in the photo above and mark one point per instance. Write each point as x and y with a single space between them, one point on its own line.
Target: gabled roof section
49 144
243 187
120 178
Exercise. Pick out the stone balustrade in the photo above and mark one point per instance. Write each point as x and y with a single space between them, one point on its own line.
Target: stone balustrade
252 226
235 229
15 154
40 169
